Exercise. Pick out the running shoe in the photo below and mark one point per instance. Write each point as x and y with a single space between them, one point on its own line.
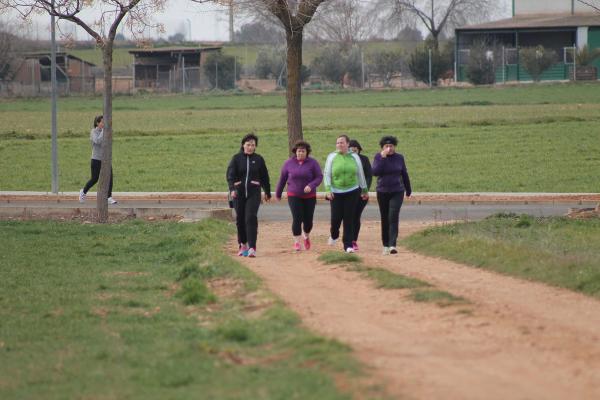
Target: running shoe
355 246
82 196
243 252
111 201
349 250
393 250
251 252
386 251
306 243
331 241
297 246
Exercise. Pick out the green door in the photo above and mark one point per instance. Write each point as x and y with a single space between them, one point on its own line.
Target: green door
594 43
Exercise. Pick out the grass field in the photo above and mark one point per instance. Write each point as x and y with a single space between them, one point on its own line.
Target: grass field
523 139
556 251
151 311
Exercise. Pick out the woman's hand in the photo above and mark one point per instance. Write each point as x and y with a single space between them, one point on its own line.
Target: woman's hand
364 196
233 194
307 189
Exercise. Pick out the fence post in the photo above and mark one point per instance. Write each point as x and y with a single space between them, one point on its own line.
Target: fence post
183 75
574 63
234 71
216 74
503 66
430 84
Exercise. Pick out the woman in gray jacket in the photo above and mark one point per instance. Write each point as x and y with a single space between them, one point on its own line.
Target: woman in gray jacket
96 136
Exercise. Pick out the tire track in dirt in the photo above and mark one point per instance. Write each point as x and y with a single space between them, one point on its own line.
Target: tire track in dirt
517 339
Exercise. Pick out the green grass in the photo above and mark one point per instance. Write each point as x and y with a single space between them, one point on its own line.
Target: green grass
514 141
99 311
557 251
421 291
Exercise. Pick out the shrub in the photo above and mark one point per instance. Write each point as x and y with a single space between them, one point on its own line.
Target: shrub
333 63
441 62
586 57
386 64
221 76
481 68
536 60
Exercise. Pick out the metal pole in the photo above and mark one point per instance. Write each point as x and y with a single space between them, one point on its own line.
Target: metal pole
216 75
183 74
362 68
54 89
430 83
503 66
574 63
234 71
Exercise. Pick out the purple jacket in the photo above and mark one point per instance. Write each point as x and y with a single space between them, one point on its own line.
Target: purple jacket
298 175
391 174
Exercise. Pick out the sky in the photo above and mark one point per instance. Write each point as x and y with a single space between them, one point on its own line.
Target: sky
205 23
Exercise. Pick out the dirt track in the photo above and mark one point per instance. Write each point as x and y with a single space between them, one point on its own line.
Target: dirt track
516 340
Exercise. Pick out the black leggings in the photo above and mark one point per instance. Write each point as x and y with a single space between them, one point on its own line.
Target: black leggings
96 164
303 211
389 208
359 210
343 208
246 211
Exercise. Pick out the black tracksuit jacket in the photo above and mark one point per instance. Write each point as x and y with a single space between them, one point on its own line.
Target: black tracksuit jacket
251 173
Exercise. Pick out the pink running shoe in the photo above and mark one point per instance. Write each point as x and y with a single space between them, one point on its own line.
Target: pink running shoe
243 252
251 252
355 246
307 243
297 246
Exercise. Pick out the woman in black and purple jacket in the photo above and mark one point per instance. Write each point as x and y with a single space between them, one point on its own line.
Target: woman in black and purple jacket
392 183
303 175
246 174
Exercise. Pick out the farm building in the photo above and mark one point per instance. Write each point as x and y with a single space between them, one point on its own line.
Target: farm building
171 69
31 76
559 25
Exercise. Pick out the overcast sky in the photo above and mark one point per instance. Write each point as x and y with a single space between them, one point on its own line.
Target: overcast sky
206 22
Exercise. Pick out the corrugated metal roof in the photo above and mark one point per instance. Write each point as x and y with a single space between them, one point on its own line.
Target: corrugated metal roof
539 21
36 54
163 50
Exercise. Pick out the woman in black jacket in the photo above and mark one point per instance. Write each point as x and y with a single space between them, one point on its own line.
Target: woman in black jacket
362 203
246 174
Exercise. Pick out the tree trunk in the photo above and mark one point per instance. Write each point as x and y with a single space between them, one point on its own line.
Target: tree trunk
103 184
294 90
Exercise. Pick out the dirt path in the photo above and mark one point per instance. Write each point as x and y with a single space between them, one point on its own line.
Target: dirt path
516 340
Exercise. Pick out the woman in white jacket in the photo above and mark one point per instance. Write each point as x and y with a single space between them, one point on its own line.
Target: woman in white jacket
97 136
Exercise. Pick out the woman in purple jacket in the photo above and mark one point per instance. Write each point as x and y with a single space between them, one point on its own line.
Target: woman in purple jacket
302 175
392 183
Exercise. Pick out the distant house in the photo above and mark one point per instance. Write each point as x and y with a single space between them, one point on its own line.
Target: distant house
560 25
170 69
31 75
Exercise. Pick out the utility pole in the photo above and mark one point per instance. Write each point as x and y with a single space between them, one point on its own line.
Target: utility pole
53 107
231 21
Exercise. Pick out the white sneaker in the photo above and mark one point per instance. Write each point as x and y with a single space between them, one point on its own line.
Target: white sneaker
386 251
331 241
349 250
111 201
393 250
82 196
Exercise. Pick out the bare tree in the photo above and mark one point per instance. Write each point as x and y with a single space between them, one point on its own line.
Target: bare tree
594 4
343 21
292 16
136 14
439 16
8 54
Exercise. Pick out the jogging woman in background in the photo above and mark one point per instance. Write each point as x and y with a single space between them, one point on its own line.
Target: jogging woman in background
303 175
345 184
357 148
246 174
392 183
96 137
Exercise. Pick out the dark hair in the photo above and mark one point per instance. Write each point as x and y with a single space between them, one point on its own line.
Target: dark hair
248 137
301 144
97 120
344 136
388 140
354 143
